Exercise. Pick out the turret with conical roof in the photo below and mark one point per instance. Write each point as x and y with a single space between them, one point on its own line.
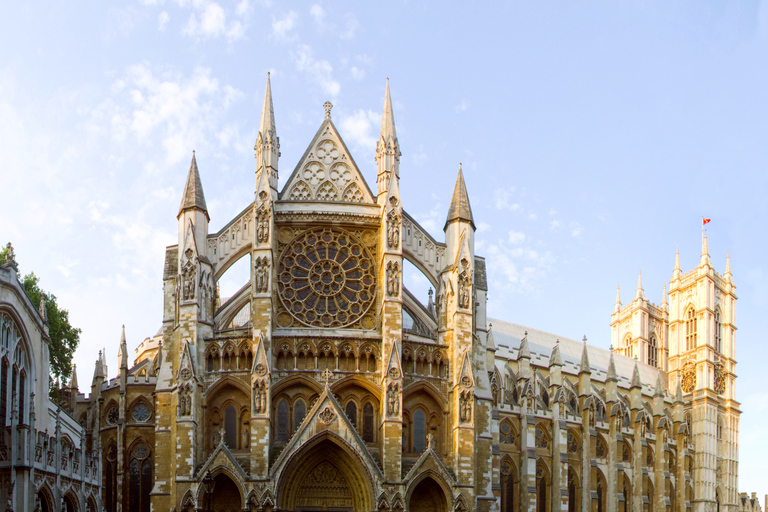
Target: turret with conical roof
267 147
193 213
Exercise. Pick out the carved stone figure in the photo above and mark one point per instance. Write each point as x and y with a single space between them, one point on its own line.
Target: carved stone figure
465 286
393 400
189 271
393 227
262 224
465 406
246 435
393 279
259 396
261 274
430 441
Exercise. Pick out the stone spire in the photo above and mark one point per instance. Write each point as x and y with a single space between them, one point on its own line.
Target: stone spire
639 293
679 392
611 376
704 251
267 147
98 372
677 273
728 277
585 367
664 304
460 208
193 197
617 306
387 148
122 353
73 379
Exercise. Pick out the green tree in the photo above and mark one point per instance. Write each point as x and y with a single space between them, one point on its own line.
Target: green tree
64 337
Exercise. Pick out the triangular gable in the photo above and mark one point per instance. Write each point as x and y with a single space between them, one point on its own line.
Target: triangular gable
327 172
394 363
260 360
186 363
466 372
326 414
189 241
222 457
429 460
464 255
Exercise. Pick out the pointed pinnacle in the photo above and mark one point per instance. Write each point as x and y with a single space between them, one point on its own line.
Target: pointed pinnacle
659 386
193 191
122 336
585 367
460 208
639 293
679 392
267 125
611 370
704 250
524 352
664 296
728 266
618 295
555 359
388 118
636 377
73 379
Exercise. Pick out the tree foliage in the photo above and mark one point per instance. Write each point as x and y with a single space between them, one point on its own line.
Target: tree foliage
64 338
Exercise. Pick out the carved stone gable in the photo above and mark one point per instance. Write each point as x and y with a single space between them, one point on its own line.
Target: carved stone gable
327 172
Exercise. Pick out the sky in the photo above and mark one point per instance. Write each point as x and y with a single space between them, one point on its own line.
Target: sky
593 137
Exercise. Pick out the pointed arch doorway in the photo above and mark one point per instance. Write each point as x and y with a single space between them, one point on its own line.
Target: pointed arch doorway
225 496
325 475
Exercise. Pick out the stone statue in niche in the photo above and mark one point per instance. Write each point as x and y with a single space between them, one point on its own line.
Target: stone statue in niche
393 279
189 272
246 435
393 225
465 406
261 274
262 222
259 396
465 285
393 400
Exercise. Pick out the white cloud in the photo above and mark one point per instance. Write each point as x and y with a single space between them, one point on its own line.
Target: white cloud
351 25
318 13
575 228
320 71
361 128
461 107
515 237
357 73
482 227
555 224
282 27
209 20
503 199
162 21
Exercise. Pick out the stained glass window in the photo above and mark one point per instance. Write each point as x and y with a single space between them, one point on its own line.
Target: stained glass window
419 430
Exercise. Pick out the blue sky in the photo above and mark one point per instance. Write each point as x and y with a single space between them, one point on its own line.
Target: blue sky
593 137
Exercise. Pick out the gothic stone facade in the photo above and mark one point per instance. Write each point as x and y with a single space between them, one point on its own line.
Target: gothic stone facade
47 462
323 384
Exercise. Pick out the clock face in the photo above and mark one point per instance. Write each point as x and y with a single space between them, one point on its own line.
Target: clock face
141 413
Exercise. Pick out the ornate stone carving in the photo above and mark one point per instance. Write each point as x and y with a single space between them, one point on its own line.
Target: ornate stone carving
261 274
393 225
327 416
262 221
393 399
465 406
188 271
260 396
719 378
688 376
393 279
326 278
465 285
185 399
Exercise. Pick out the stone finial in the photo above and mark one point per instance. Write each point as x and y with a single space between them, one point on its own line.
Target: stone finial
10 257
611 370
664 303
677 272
617 306
704 251
679 392
524 352
327 106
585 366
636 377
728 277
327 375
639 293
659 391
555 359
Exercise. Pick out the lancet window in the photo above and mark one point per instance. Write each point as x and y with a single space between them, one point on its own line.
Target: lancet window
139 478
718 331
690 329
652 352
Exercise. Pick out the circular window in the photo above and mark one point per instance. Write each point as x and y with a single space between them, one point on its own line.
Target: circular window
326 278
140 413
112 415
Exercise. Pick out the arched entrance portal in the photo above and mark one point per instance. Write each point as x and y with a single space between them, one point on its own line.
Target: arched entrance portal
325 476
69 504
226 496
427 496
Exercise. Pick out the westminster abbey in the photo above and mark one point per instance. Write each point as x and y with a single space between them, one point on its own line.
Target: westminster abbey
324 384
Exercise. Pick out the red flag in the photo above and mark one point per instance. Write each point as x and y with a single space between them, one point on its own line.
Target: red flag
705 221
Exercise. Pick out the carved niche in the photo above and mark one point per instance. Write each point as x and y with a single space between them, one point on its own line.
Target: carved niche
188 272
261 274
465 285
393 225
393 279
262 220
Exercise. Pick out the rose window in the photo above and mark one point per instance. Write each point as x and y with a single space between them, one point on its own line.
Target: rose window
326 278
